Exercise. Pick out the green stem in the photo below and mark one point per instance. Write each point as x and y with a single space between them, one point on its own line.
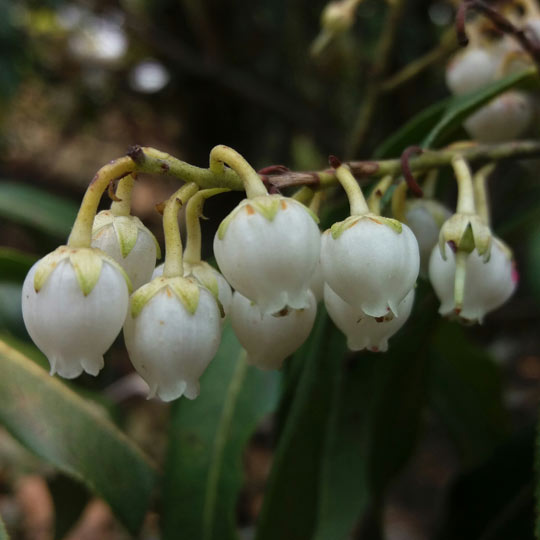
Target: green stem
430 183
480 192
399 197
81 234
122 207
352 189
374 199
194 209
222 154
465 203
459 280
174 266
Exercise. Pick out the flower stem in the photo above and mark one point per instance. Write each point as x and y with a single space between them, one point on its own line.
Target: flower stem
192 253
480 192
222 154
81 234
352 189
465 204
374 199
122 207
399 198
174 266
459 280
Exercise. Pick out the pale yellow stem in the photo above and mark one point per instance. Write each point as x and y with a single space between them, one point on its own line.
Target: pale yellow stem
459 280
81 234
465 203
430 183
222 154
304 195
374 199
315 204
399 198
174 266
354 193
480 192
194 209
122 207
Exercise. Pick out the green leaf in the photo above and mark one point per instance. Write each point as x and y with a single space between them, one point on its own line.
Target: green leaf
460 107
70 498
37 209
290 505
374 425
203 472
3 532
74 435
495 499
14 264
466 392
413 131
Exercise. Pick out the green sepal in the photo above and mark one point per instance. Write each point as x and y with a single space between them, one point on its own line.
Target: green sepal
87 265
186 290
204 274
266 205
47 265
337 229
127 231
467 232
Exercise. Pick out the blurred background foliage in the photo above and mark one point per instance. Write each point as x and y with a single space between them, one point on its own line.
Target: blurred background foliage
434 439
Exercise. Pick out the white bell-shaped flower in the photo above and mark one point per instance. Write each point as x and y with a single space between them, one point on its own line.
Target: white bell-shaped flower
505 118
370 261
316 284
208 277
74 302
471 69
267 249
172 332
362 331
487 284
269 339
425 218
129 243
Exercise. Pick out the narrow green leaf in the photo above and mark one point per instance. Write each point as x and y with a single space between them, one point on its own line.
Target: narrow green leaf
290 506
466 392
10 309
36 208
374 425
460 107
14 264
412 132
72 434
203 473
3 532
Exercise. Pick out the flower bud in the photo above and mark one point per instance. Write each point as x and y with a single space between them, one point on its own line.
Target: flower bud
470 70
74 302
208 277
371 262
362 331
267 249
172 332
129 243
425 217
269 339
487 284
505 118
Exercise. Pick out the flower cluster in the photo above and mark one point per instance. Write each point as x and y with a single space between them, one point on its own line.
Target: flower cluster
271 252
490 56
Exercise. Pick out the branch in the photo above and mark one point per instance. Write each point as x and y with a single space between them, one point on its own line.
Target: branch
150 160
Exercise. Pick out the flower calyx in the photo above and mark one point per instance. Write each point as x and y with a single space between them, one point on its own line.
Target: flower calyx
466 232
186 290
126 228
86 262
337 229
265 205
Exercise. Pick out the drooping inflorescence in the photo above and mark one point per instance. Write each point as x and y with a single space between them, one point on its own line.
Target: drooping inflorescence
272 253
